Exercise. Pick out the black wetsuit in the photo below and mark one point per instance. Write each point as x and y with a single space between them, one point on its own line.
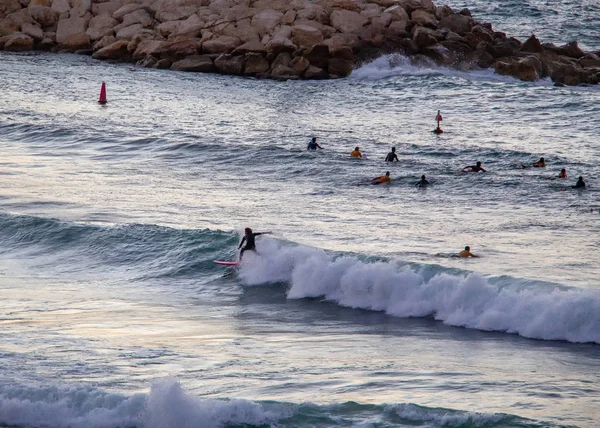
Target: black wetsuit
250 244
391 156
422 183
580 185
313 146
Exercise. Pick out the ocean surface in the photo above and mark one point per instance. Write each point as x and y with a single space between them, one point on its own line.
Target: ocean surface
354 313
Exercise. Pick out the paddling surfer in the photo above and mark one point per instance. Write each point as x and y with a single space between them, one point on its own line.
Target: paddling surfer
474 168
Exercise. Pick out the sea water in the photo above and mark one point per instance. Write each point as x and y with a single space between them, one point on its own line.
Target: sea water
354 312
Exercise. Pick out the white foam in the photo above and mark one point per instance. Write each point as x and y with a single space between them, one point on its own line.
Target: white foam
399 65
167 405
547 312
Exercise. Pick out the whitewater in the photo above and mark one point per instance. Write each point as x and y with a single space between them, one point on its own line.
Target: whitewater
355 312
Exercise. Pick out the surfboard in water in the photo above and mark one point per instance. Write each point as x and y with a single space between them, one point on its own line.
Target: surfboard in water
222 263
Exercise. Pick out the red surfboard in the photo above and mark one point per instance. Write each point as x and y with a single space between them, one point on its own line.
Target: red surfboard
219 262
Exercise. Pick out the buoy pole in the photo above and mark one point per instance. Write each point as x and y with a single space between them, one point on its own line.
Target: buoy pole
102 99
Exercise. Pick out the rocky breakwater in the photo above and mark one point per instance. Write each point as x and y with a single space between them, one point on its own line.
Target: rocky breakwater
285 39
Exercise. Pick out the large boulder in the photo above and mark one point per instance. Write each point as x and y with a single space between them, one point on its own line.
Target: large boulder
189 28
8 27
424 36
299 64
346 21
255 64
283 72
523 70
423 18
318 56
104 42
101 26
313 12
571 49
70 27
166 28
140 16
397 13
460 24
9 6
532 44
79 41
180 49
280 44
60 6
340 67
223 44
315 73
148 47
18 42
115 51
305 36
250 47
243 30
411 5
125 10
129 32
229 64
44 15
108 8
33 31
266 20
200 63
46 3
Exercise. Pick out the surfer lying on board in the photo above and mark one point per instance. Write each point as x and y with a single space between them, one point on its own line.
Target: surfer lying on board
313 145
540 164
474 168
382 179
249 240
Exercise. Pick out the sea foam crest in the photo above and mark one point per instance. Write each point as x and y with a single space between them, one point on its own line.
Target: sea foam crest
167 405
400 65
471 300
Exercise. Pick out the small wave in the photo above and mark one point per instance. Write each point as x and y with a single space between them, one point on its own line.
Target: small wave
144 251
533 310
169 405
399 65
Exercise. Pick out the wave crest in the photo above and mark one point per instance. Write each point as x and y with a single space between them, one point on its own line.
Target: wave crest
544 311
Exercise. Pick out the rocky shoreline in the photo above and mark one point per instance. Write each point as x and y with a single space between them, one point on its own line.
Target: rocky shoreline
297 39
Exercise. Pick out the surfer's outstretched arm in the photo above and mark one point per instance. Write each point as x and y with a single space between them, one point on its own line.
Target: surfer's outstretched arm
263 233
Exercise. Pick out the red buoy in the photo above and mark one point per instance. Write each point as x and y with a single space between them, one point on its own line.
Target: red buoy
438 118
102 99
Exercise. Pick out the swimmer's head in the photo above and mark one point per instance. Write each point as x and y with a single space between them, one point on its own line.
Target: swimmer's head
247 230
314 139
393 150
541 159
387 173
423 177
357 148
467 248
478 163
